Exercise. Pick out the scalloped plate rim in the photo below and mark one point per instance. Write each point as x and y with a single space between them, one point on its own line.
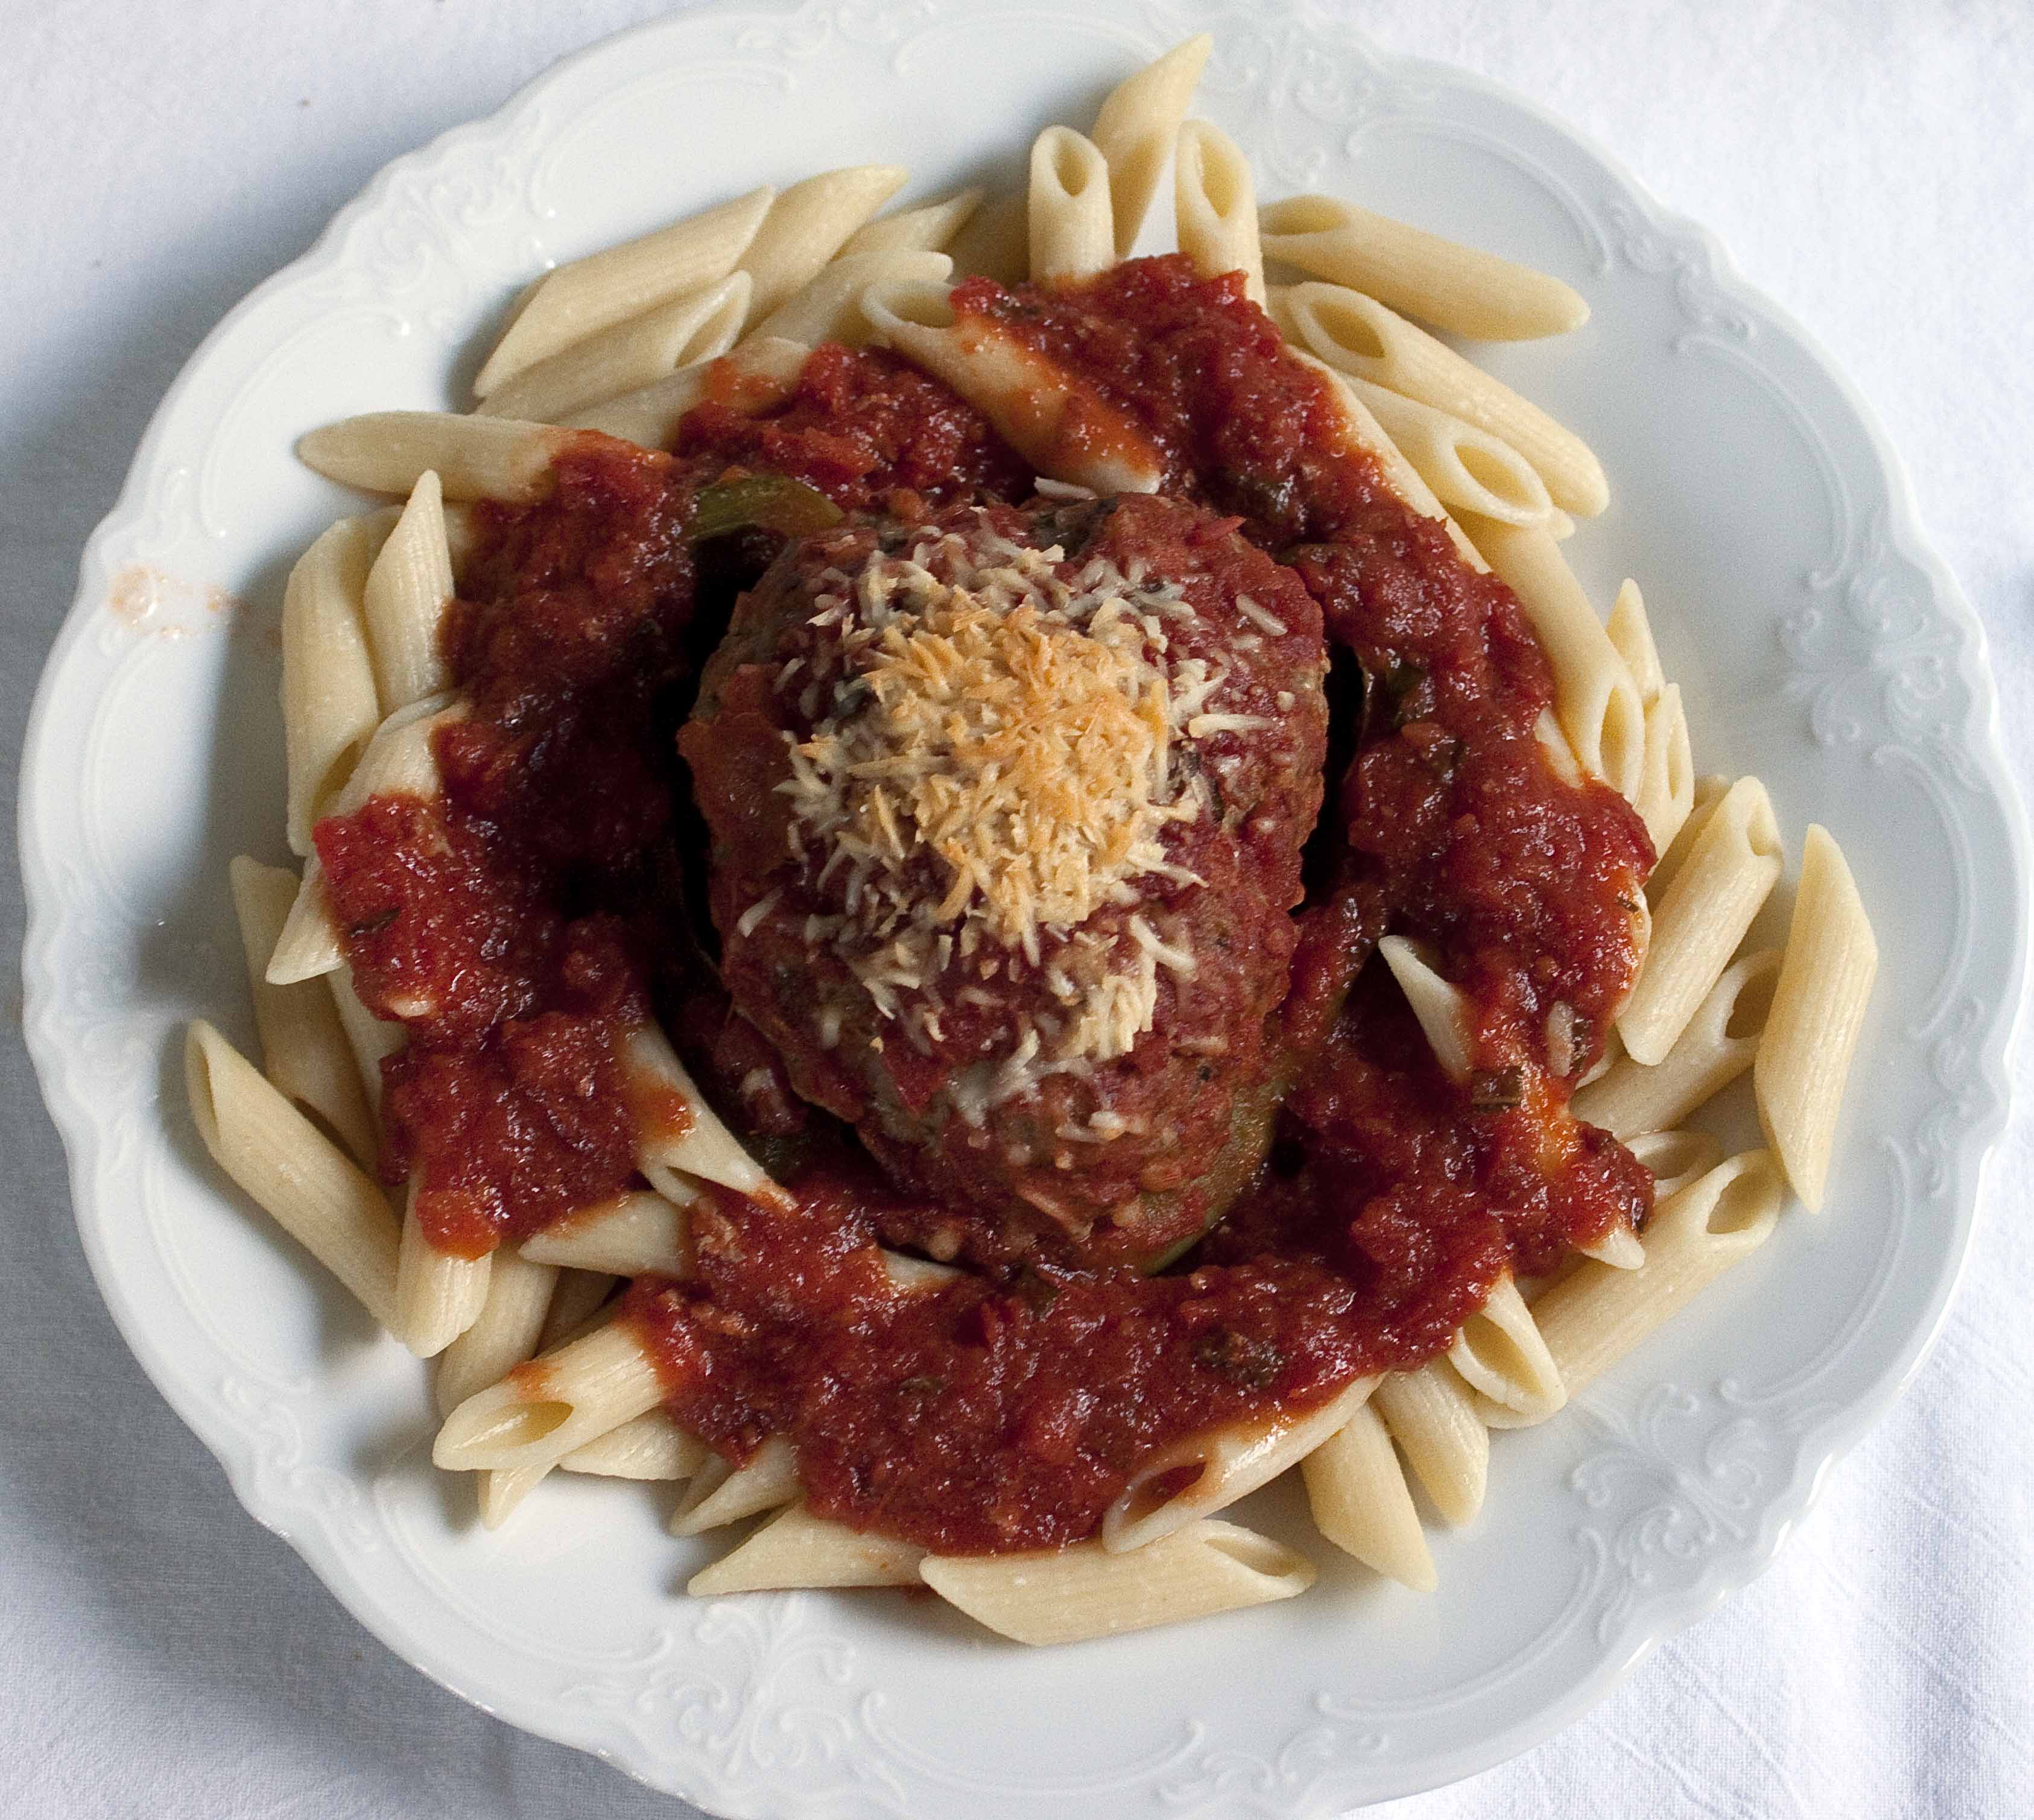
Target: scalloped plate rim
1651 1622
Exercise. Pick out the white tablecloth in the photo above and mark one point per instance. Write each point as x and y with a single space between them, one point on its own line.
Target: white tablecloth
1870 165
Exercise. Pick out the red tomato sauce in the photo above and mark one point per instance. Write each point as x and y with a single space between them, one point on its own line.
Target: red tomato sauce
522 926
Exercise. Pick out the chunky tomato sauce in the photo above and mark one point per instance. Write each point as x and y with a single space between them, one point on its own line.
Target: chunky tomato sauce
522 925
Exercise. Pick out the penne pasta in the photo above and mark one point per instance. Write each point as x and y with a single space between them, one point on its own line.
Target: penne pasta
500 1493
1716 1046
930 227
750 379
296 1174
329 703
1619 1247
719 1494
796 1548
574 301
634 1235
304 1051
553 1404
1500 1354
1708 791
1467 469
1594 699
403 602
1357 1493
504 1333
1084 442
1443 1016
370 1039
650 1447
677 1130
1675 1158
577 1305
1136 129
1811 1031
1631 632
400 759
829 308
1067 1595
1730 871
807 225
1667 773
1594 1317
1456 288
627 356
996 242
438 1294
1362 337
1233 1463
1431 1415
1215 204
1072 234
475 457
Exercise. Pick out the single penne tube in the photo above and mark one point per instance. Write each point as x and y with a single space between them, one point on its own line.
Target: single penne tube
1232 1461
1811 1031
1500 1354
632 1235
1631 632
552 1404
475 457
996 242
829 308
807 225
500 1493
1458 289
329 703
1215 204
1073 230
403 603
1469 470
1136 128
506 1332
928 228
1675 1158
652 1447
296 1174
400 760
796 1548
1069 1595
677 1130
578 1303
1594 699
1716 1045
748 379
1708 791
1560 755
439 1295
1357 1492
574 301
1431 1415
1667 773
914 1275
1363 435
1702 916
626 356
1437 1003
769 1478
1595 1317
304 1051
1366 340
370 1039
462 530
1619 1247
1064 436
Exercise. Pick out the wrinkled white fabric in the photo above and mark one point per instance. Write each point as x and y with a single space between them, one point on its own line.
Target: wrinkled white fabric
1869 163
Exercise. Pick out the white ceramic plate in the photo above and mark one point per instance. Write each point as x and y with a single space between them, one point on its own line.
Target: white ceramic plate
1819 644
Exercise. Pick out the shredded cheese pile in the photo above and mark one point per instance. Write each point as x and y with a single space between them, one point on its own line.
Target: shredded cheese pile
999 761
